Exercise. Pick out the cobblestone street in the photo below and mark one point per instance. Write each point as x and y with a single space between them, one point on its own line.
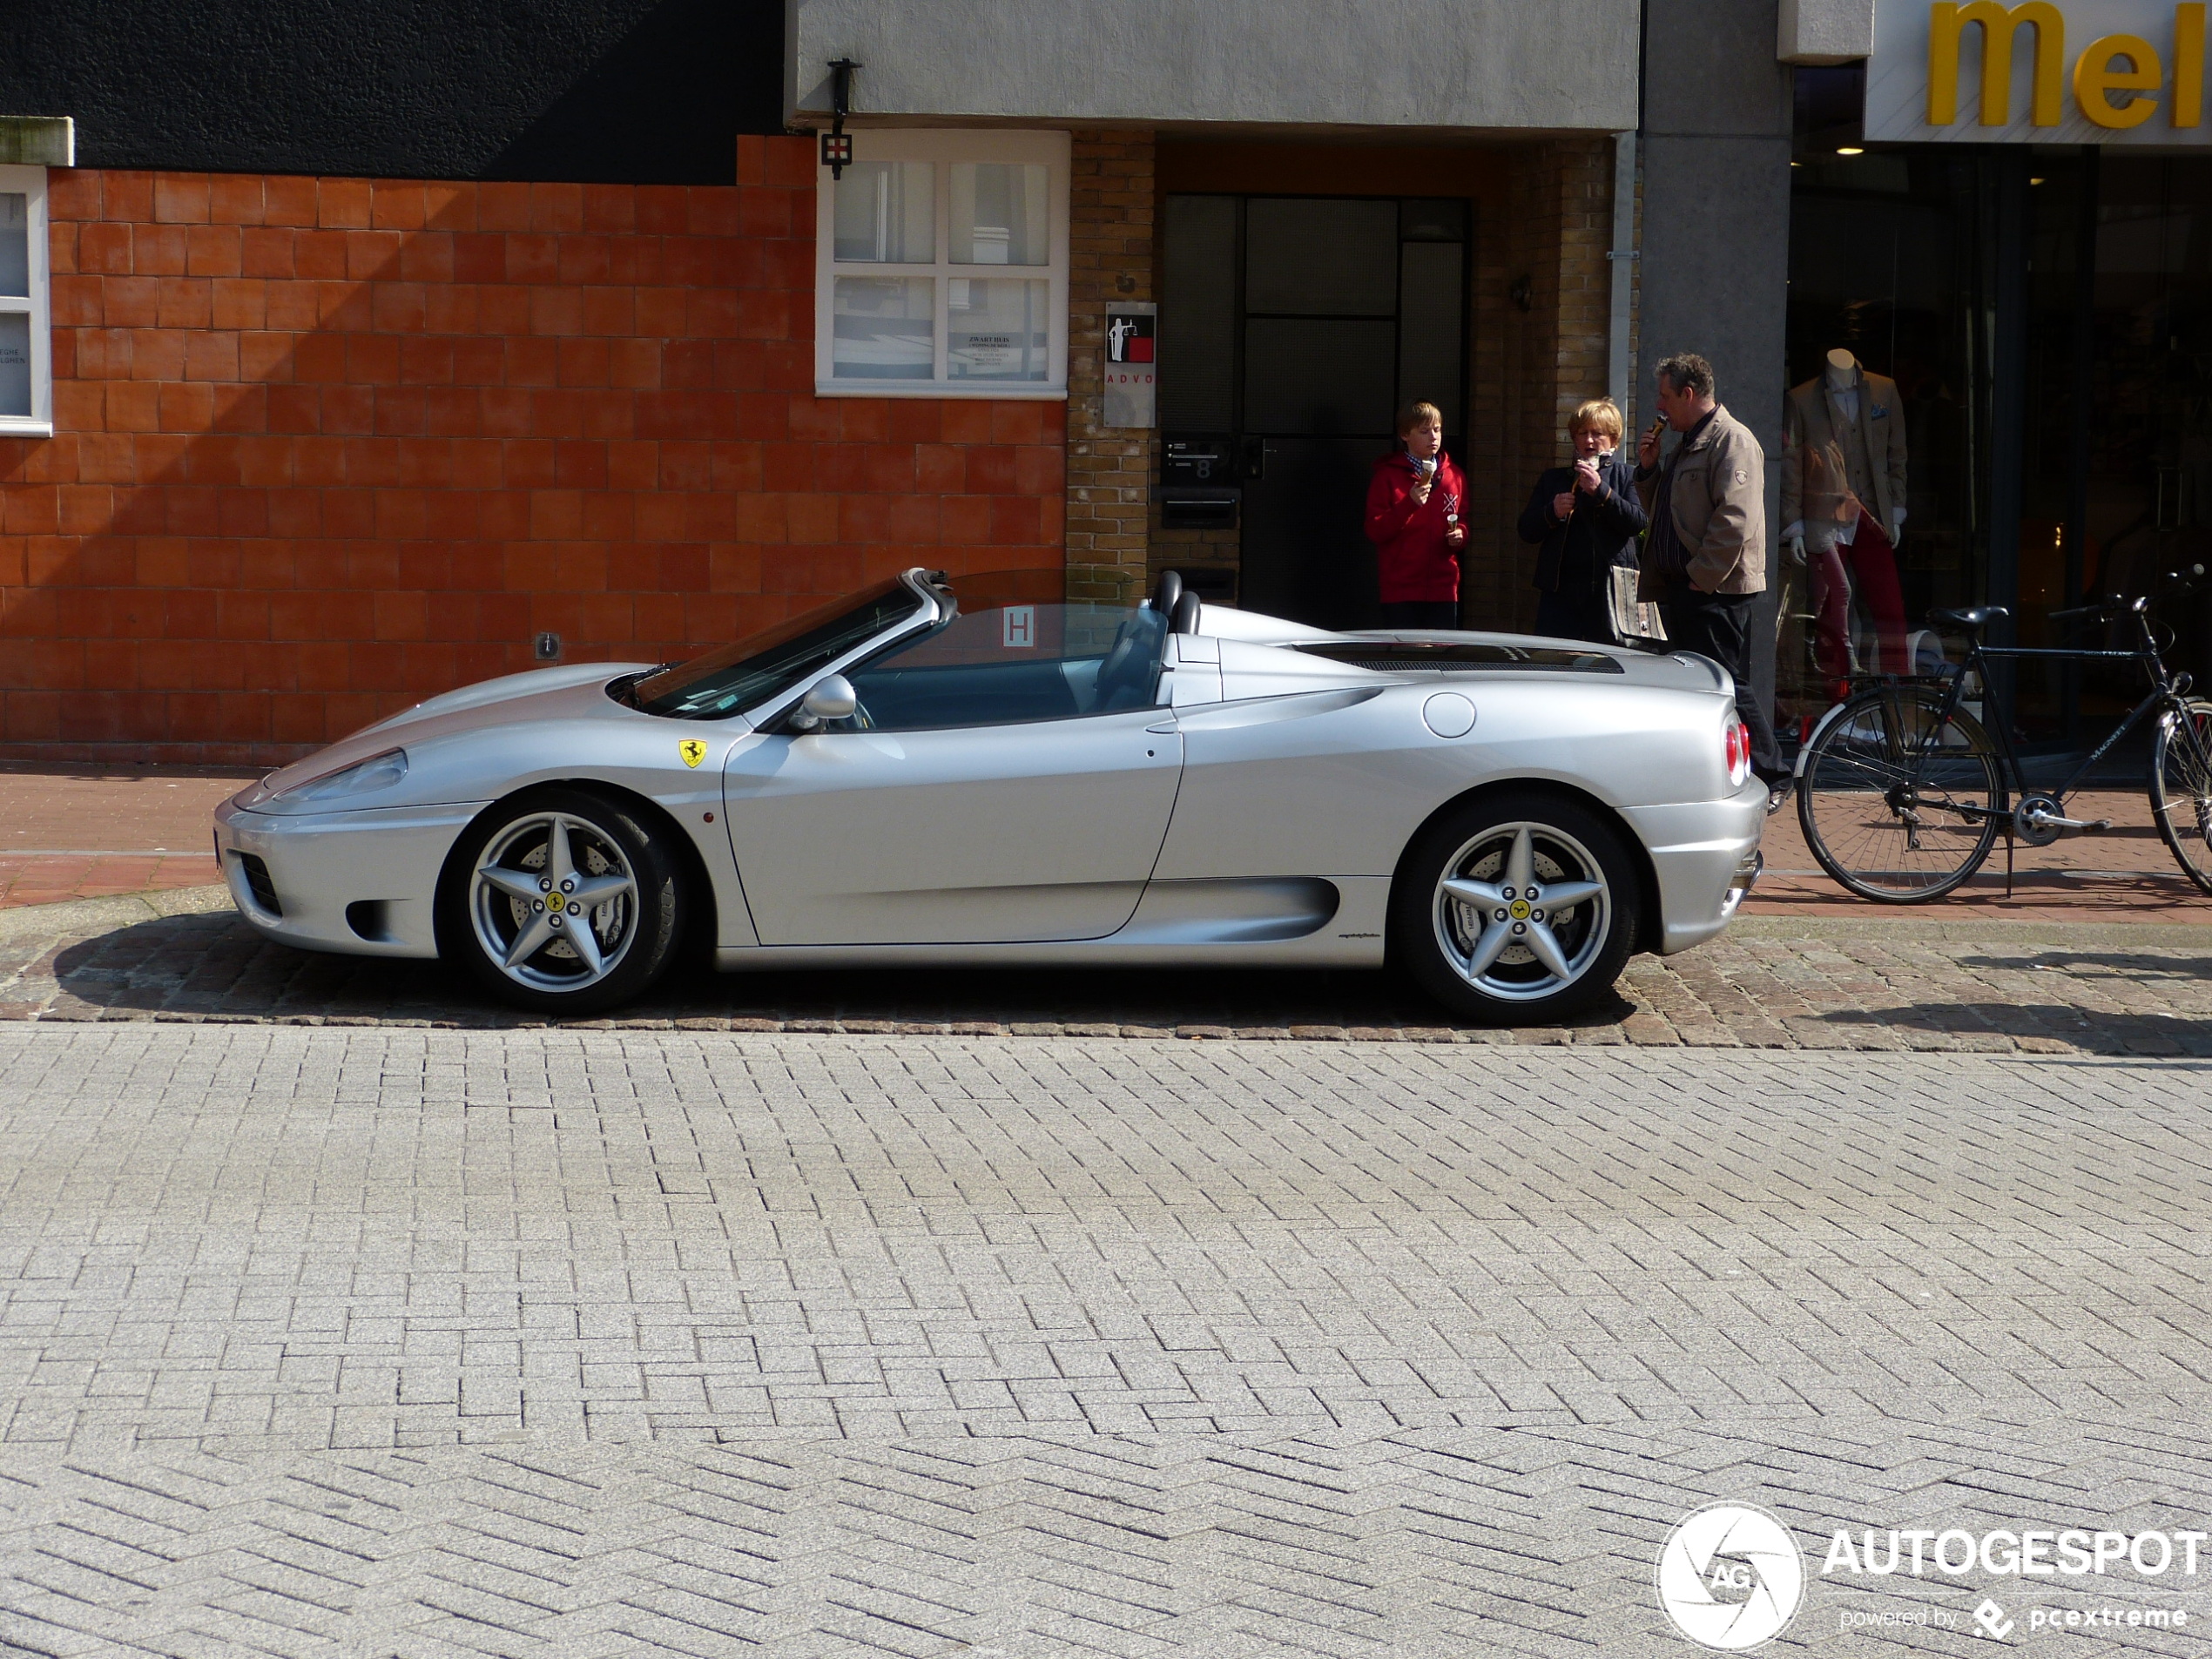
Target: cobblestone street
421 1342
1922 982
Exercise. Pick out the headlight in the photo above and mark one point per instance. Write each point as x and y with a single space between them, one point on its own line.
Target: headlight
378 771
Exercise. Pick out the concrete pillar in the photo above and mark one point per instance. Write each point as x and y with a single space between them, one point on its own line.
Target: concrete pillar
1716 266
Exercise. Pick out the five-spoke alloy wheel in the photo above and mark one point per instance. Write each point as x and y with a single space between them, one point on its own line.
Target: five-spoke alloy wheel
561 901
1515 908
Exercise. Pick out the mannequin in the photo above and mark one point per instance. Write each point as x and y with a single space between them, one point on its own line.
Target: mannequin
1843 507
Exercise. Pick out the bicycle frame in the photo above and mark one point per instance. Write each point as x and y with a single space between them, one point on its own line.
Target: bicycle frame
2164 693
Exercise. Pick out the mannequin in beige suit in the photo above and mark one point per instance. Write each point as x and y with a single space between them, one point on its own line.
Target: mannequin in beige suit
1842 506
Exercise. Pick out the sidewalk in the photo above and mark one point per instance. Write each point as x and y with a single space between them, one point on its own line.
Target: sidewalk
91 832
2124 876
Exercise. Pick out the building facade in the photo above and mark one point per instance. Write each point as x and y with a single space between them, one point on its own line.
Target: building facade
340 365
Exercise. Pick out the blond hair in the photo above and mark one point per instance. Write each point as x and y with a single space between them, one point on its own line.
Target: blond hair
1600 412
1415 415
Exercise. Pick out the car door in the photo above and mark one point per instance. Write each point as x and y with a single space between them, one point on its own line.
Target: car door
986 805
1037 831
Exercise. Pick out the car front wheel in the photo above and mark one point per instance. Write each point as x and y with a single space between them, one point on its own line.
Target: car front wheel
561 901
1516 910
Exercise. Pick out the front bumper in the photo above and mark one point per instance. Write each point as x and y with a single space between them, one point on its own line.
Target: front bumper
1706 856
364 883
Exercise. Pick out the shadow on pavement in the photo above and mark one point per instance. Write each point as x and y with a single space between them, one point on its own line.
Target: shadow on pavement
214 966
2133 965
2134 1032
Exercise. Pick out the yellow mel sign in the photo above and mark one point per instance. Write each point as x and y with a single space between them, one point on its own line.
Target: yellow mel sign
2116 80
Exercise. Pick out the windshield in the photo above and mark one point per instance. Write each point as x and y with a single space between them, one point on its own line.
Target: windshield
749 673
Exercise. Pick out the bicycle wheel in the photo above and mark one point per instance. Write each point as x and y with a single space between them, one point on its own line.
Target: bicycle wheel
2180 787
1893 808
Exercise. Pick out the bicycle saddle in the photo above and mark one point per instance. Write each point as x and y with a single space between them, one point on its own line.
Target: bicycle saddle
1973 620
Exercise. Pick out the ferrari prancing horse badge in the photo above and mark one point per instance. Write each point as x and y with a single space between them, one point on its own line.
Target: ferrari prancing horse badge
693 749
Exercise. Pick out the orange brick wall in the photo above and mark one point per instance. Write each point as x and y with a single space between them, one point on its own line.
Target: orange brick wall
327 446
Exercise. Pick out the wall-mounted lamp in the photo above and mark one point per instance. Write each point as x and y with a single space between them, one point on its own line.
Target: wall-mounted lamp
837 143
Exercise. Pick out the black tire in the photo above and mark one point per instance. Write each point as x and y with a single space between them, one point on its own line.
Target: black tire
1894 810
2180 787
499 888
1484 961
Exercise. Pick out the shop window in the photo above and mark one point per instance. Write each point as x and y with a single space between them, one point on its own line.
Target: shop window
941 266
26 366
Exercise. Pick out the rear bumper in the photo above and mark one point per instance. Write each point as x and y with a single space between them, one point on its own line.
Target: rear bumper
1706 856
363 883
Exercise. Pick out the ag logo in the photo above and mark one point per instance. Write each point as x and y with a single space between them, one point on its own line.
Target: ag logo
693 750
1731 1576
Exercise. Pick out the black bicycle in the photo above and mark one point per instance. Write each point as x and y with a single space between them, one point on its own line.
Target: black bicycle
1902 791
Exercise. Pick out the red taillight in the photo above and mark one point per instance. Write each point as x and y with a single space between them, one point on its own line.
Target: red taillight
1736 747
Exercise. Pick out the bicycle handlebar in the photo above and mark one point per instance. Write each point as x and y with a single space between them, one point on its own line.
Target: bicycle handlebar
2176 583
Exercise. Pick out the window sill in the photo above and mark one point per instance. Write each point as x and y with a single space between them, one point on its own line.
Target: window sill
14 426
942 389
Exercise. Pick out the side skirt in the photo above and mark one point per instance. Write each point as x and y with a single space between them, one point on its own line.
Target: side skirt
1193 924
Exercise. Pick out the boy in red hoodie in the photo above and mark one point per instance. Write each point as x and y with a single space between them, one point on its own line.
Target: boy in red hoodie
1414 507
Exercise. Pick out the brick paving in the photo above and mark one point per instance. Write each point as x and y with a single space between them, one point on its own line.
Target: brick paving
378 1342
50 879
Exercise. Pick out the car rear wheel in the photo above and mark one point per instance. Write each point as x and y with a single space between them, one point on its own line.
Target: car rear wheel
561 901
1516 909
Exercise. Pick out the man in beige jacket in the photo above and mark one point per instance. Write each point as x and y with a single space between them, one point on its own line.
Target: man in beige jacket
1705 555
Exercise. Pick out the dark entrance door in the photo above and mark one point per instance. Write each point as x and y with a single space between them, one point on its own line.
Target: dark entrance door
1292 327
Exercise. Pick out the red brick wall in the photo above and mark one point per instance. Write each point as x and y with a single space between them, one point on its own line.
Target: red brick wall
326 446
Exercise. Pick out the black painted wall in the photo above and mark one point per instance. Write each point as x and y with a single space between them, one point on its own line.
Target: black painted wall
638 92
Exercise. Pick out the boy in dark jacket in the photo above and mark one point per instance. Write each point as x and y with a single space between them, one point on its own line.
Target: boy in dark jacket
1587 516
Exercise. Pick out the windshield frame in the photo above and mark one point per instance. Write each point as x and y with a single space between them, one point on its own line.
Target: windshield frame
936 604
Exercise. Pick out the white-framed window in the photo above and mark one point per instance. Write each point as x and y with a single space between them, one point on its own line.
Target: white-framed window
26 336
941 266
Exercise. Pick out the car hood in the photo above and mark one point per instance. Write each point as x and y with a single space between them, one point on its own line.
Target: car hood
570 691
510 688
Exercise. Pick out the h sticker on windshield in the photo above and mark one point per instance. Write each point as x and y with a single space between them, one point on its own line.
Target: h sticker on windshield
1018 627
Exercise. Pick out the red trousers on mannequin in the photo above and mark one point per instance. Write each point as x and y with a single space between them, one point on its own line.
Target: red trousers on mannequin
1871 560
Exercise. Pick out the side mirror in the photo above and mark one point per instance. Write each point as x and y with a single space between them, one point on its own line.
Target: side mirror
832 699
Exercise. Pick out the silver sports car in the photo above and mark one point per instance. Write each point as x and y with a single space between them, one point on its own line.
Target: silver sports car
977 771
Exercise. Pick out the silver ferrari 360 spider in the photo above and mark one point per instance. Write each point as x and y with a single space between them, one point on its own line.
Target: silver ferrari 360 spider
974 771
